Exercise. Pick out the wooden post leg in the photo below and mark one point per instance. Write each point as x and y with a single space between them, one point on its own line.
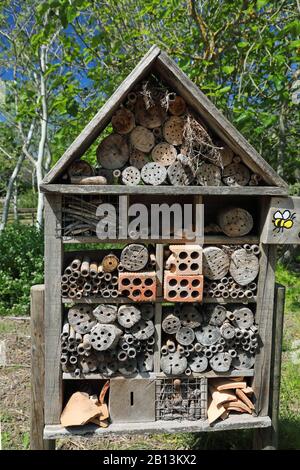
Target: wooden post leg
37 371
267 439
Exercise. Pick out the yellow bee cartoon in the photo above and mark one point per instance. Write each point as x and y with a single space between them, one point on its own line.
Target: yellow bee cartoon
282 220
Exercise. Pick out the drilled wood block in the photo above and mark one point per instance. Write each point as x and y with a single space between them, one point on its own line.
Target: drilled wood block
132 400
183 288
185 259
140 287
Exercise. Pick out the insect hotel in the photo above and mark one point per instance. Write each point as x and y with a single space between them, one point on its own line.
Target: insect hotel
161 332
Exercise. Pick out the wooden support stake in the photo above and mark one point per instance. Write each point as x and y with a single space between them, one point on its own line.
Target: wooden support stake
37 371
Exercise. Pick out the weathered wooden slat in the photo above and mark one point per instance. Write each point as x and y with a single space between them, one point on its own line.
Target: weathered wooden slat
102 118
282 224
53 308
208 240
165 190
37 370
167 68
158 307
233 422
126 300
264 318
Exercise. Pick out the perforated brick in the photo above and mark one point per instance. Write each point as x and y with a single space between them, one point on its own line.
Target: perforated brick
140 287
185 259
179 288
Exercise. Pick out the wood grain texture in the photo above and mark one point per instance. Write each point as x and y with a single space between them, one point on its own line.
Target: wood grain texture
167 68
264 318
37 442
233 422
165 190
102 118
282 236
53 309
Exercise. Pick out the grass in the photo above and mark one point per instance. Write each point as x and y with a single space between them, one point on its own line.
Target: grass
15 397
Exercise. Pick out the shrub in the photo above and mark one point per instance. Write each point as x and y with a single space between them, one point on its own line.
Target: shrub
21 266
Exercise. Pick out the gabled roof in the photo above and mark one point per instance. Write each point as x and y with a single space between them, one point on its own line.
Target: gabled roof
158 62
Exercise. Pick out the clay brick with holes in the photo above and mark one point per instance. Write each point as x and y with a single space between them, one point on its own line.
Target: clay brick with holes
183 288
140 287
185 259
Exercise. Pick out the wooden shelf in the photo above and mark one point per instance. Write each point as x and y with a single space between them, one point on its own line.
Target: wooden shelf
160 375
164 190
244 421
208 240
125 300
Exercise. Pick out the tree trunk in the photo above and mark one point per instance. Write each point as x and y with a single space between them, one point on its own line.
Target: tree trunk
282 141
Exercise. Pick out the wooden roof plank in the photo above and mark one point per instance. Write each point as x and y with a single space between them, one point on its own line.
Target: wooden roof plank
102 118
172 74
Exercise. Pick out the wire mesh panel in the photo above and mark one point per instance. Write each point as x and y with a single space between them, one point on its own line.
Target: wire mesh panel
79 214
181 399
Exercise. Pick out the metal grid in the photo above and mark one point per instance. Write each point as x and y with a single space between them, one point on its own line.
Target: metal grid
181 399
79 214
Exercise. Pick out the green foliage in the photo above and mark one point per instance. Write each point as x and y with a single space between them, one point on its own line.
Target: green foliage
21 266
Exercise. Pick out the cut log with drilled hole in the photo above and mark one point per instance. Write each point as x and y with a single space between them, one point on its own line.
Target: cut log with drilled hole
236 174
170 324
190 316
215 263
226 155
110 263
173 364
151 117
185 336
164 153
208 335
235 221
142 139
105 313
113 152
220 362
134 257
80 168
105 336
154 173
131 176
180 174
177 107
128 315
227 331
173 130
145 362
147 311
123 121
198 363
209 175
128 368
137 158
243 317
143 329
244 266
81 318
243 360
215 314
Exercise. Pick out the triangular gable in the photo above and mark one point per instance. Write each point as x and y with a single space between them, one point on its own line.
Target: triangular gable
157 61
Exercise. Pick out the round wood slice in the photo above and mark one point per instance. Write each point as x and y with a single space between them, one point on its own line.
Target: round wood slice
137 158
123 121
190 316
173 130
145 362
243 317
131 176
147 311
151 117
87 180
215 263
209 175
220 362
177 107
243 360
244 266
143 329
110 263
236 174
235 221
153 173
104 337
128 315
198 363
170 324
208 335
227 331
88 364
164 153
105 313
173 364
80 168
81 318
113 152
128 367
134 257
226 155
216 314
142 139
185 336
179 174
